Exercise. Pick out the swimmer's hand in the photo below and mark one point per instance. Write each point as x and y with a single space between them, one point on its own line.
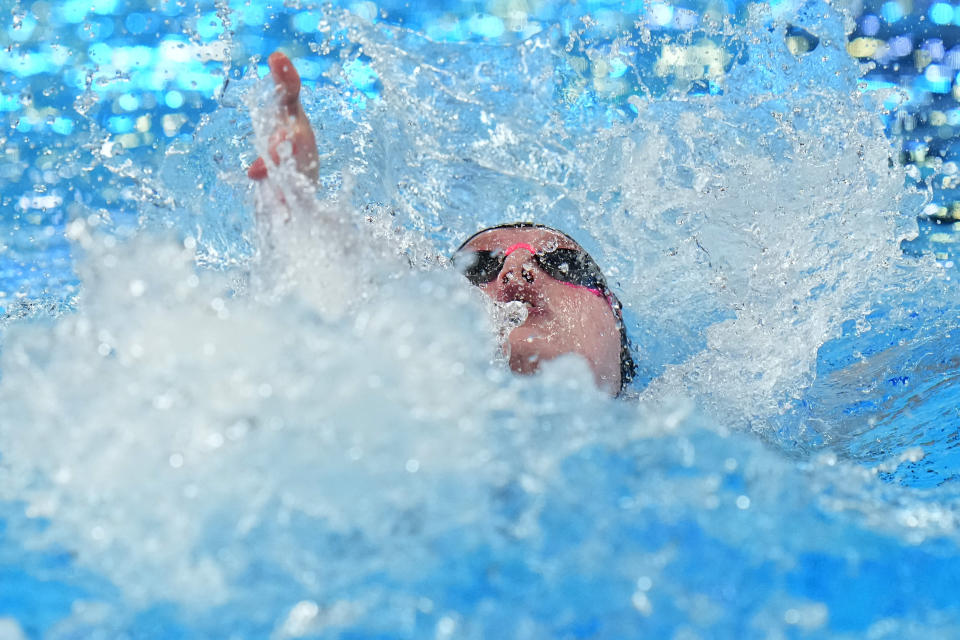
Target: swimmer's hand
292 126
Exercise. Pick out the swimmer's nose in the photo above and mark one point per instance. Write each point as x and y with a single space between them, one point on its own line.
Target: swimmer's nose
517 280
519 264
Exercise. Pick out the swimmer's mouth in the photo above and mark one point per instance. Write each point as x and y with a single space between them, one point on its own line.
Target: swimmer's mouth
533 309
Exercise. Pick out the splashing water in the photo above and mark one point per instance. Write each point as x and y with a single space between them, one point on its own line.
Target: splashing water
303 427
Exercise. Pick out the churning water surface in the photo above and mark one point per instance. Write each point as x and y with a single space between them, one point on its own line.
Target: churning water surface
215 426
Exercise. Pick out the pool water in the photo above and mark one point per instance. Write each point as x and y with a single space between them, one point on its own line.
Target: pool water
218 426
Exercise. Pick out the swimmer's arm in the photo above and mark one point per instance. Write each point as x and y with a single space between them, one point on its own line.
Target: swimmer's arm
292 127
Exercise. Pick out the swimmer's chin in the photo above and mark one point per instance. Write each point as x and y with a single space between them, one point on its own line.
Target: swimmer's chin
524 364
528 347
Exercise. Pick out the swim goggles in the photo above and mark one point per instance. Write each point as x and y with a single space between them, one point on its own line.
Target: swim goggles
570 266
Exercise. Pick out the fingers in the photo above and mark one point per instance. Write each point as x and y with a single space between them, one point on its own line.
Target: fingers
286 78
258 170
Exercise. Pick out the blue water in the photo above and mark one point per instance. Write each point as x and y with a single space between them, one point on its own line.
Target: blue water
218 427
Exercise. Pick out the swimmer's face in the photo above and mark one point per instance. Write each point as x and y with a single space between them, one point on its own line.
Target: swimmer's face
561 317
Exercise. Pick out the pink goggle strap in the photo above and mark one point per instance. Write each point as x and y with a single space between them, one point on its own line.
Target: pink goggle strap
519 245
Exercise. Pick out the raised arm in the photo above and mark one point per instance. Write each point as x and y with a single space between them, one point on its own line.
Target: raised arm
292 126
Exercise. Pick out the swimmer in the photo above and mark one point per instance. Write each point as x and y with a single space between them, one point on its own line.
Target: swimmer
569 307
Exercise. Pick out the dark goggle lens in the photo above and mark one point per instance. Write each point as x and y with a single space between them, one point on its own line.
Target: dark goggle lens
480 267
572 266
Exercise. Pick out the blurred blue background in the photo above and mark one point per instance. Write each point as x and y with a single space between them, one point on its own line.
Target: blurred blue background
141 75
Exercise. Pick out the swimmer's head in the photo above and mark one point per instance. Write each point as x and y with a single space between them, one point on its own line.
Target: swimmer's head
570 309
